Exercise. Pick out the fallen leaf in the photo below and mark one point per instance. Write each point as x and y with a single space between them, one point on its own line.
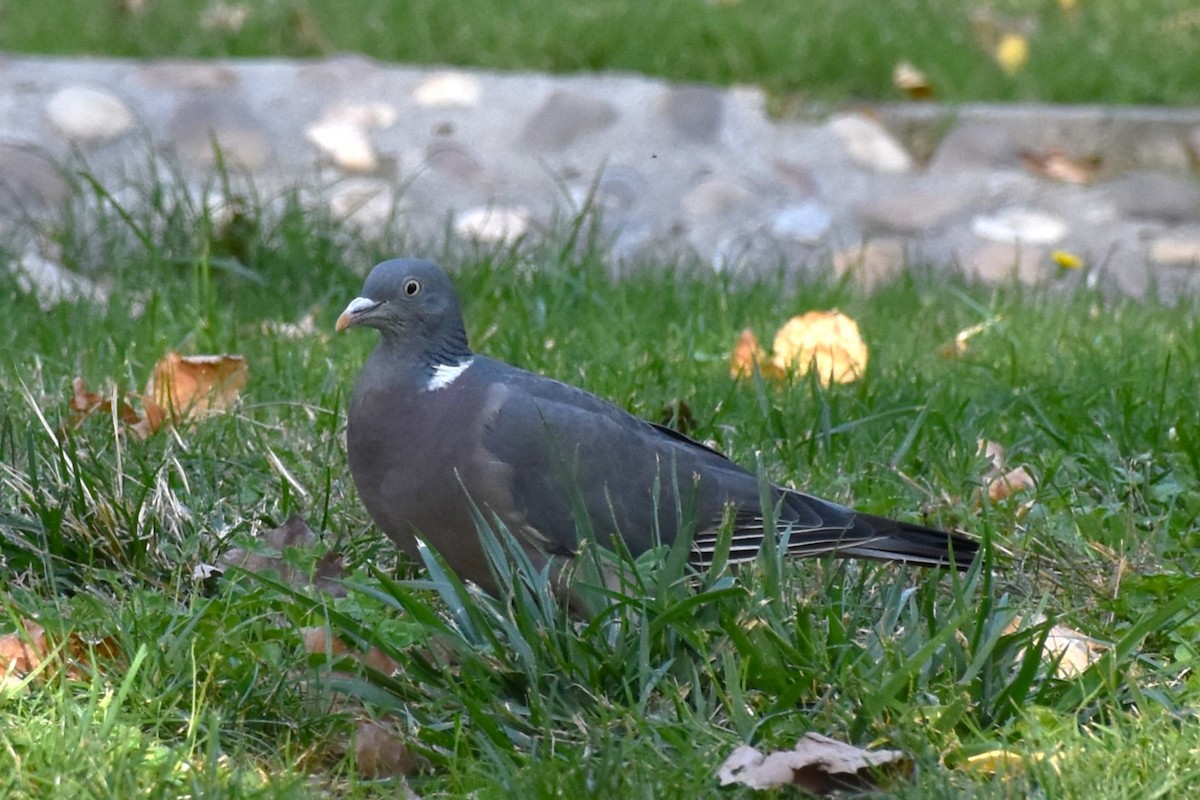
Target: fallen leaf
190 386
1057 165
827 341
1012 52
747 354
998 483
1067 650
84 403
327 571
912 81
28 647
1009 483
380 751
960 343
817 764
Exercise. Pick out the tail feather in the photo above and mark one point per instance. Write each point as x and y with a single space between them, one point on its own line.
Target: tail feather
915 544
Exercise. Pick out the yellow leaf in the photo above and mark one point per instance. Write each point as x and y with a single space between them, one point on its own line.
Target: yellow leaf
1012 52
827 341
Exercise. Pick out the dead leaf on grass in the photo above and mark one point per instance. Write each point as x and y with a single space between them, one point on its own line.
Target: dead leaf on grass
189 387
380 750
826 341
28 647
1058 165
817 764
912 81
327 572
1067 650
961 341
1000 484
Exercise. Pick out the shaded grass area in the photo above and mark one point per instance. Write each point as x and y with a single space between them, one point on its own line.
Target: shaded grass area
212 695
1114 51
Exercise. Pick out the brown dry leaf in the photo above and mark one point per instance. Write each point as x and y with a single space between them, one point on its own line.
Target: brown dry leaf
1000 484
1006 485
327 572
912 81
747 353
380 751
1068 650
24 650
827 341
1057 165
818 764
188 387
84 403
961 341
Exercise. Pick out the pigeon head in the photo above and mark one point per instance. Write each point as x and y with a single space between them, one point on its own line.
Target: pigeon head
412 303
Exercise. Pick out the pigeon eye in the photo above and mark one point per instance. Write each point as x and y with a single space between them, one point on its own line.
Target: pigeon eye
412 286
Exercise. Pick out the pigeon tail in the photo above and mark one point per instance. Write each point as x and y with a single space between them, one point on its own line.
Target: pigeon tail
911 544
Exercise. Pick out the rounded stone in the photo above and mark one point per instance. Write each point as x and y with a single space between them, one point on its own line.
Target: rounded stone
870 145
873 263
28 180
1176 250
695 112
806 222
714 197
1021 226
242 141
368 203
448 90
999 262
349 146
493 224
565 117
453 160
1154 195
88 114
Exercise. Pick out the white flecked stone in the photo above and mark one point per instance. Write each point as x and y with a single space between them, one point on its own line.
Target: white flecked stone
870 145
1019 226
806 222
348 145
493 224
88 114
448 90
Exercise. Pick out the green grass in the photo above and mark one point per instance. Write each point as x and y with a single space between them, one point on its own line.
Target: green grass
1105 51
212 695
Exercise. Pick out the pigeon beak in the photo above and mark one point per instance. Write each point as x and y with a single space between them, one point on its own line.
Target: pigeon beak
359 309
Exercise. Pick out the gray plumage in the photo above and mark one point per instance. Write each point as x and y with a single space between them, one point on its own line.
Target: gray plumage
431 424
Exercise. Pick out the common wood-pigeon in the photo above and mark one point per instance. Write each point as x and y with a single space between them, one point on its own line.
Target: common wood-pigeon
434 428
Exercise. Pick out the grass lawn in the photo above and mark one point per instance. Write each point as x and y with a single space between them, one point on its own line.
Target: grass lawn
204 689
1101 51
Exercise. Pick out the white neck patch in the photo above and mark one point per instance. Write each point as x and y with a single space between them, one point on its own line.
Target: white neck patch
446 374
